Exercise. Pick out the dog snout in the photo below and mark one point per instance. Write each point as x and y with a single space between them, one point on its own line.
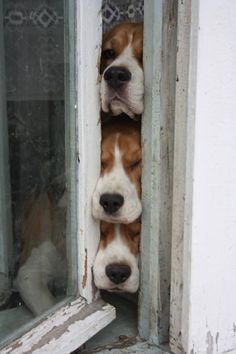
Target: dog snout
111 202
118 273
117 76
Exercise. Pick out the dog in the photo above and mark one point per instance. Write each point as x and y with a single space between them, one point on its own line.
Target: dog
116 198
43 269
115 267
122 82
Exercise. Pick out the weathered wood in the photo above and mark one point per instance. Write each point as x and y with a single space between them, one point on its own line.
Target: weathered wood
65 330
158 131
183 166
89 36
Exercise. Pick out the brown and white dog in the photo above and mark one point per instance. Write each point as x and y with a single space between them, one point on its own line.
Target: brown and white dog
116 201
122 83
116 263
43 258
116 198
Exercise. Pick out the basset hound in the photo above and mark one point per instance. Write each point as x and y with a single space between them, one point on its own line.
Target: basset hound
122 81
43 267
116 198
116 201
116 264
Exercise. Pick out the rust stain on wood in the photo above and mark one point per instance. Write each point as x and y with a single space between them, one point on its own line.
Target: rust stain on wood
16 345
85 276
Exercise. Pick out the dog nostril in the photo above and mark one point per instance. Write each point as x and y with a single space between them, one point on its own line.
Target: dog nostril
117 76
111 202
118 273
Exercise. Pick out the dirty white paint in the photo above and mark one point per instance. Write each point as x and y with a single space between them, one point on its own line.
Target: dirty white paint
157 142
89 37
64 331
205 315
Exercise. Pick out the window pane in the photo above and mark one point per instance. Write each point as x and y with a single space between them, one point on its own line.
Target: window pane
35 247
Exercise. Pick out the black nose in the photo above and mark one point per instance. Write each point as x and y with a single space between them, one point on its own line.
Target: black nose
116 76
118 273
111 202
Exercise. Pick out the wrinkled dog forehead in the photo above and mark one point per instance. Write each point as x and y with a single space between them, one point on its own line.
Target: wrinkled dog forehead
126 138
129 233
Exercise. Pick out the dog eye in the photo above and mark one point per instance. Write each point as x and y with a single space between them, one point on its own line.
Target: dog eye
135 164
103 165
108 54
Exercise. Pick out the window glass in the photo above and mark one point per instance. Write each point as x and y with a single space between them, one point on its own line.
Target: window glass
34 209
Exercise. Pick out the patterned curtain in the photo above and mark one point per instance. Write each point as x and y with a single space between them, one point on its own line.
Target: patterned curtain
117 11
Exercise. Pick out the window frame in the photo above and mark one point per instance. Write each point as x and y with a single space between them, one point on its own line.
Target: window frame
77 319
153 320
160 24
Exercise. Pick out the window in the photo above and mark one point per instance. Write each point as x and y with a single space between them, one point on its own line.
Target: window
49 111
50 142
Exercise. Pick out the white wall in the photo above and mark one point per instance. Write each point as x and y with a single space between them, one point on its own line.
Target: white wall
212 306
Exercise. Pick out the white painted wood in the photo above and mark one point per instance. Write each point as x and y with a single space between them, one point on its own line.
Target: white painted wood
89 36
157 132
183 163
5 196
205 314
64 331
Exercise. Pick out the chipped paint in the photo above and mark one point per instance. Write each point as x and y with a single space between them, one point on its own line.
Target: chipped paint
15 346
85 276
57 334
210 343
234 328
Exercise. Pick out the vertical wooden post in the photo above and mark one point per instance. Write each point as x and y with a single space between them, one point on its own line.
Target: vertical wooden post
89 38
157 137
183 178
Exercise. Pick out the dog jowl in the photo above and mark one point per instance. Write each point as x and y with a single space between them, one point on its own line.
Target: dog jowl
122 84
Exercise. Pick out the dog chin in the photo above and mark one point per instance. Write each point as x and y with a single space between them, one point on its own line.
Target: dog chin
118 107
120 289
118 218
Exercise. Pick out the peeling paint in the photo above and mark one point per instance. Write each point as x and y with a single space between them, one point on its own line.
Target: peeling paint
85 276
210 343
16 345
57 331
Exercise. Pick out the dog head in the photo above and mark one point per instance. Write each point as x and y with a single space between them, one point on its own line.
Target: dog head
116 197
116 264
122 85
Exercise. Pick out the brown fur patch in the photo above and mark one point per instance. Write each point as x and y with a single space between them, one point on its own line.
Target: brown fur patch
127 134
129 232
42 222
